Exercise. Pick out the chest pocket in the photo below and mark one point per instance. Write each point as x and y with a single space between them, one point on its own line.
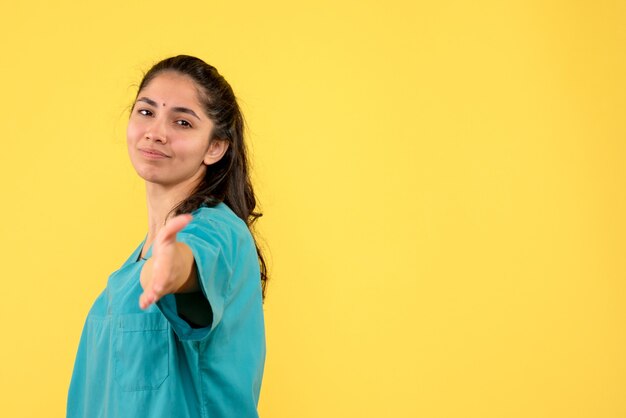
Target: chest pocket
141 351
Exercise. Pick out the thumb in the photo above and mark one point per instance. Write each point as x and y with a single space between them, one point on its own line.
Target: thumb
175 225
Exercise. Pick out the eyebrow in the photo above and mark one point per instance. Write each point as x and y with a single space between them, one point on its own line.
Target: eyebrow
175 109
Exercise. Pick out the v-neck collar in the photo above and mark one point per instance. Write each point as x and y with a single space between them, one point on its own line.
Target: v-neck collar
135 256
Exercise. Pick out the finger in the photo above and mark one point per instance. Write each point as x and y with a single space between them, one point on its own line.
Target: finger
175 225
147 298
144 301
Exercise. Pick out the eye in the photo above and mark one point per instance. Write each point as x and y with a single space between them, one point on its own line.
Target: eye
144 112
183 123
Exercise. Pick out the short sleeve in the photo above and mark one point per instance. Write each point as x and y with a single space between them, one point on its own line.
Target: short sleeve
211 243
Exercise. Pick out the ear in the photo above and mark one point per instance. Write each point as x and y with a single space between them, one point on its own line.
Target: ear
217 149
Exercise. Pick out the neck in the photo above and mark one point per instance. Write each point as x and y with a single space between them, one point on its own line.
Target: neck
161 199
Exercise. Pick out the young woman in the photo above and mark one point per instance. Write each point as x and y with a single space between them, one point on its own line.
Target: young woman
178 331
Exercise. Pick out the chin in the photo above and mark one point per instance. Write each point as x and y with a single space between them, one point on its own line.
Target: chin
156 178
150 175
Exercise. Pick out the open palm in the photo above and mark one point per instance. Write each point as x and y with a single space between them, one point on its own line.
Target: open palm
162 275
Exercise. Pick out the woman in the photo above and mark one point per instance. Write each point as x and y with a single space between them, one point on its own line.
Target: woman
178 331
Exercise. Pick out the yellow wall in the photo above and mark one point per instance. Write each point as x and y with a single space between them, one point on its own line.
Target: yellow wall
443 185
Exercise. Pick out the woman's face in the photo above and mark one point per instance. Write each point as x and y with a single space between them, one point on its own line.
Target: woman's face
168 132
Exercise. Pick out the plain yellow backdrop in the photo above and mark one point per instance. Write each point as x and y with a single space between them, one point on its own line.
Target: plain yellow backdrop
443 185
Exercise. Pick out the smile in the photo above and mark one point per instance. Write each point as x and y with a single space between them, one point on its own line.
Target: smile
152 154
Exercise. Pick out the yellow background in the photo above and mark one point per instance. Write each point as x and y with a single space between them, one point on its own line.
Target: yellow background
443 185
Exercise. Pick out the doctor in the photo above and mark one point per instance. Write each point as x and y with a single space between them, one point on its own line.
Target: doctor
178 331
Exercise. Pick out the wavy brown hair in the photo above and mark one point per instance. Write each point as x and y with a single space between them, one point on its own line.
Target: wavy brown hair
227 180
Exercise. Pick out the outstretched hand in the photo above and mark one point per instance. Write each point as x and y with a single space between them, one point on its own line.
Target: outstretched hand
168 270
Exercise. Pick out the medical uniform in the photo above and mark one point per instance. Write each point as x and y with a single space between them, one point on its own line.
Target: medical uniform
153 363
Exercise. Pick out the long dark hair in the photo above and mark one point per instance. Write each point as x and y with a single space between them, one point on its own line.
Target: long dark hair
228 179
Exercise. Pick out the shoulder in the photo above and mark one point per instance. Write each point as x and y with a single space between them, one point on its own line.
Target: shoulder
218 223
220 215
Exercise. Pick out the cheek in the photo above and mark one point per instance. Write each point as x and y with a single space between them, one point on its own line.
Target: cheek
188 150
132 132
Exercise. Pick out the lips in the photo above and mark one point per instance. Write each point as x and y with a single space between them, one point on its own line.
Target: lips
152 153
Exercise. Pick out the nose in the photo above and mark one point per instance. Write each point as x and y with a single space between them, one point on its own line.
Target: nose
156 131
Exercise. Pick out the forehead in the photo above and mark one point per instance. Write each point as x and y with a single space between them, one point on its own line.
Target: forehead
170 88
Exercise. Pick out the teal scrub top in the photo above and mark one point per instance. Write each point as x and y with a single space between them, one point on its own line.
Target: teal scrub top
153 363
